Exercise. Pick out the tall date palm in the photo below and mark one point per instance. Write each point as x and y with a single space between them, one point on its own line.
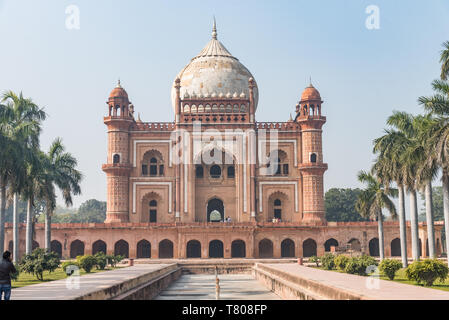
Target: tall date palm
20 126
59 170
372 200
388 167
438 142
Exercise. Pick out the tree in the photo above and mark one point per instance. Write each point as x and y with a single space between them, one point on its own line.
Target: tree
92 211
410 161
20 126
31 188
372 200
389 167
340 205
444 60
59 170
38 261
437 200
424 169
438 106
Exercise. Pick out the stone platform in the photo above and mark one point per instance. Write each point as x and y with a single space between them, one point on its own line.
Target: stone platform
292 281
98 286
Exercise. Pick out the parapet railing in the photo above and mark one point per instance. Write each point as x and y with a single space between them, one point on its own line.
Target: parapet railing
278 125
153 126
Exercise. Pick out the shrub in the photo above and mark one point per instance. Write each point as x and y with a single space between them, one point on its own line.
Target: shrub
119 258
355 266
87 262
15 275
113 260
38 261
69 271
389 267
101 260
359 265
368 260
315 259
427 271
340 262
110 260
328 261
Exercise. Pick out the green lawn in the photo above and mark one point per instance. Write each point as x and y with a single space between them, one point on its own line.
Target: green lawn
26 279
402 278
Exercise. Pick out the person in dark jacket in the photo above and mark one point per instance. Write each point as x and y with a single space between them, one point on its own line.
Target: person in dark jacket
6 269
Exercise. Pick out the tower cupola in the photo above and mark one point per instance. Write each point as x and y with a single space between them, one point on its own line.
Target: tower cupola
310 103
118 102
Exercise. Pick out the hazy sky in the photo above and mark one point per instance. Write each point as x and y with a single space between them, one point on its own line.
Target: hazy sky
362 74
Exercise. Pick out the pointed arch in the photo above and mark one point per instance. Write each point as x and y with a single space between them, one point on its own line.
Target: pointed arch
143 249
121 248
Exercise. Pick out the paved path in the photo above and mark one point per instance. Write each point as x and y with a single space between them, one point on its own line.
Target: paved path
364 286
202 287
66 289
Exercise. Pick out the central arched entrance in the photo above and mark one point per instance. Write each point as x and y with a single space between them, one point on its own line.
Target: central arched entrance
215 210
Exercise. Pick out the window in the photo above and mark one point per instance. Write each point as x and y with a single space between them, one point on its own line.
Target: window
231 172
153 211
153 215
116 158
313 157
277 213
278 164
215 171
277 209
199 171
153 167
153 164
278 167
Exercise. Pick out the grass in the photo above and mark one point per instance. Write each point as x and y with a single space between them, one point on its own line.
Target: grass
27 279
402 278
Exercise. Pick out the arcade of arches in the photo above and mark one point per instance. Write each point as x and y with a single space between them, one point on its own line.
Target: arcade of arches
222 240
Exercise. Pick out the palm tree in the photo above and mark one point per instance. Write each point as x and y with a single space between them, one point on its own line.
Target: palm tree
31 189
438 141
20 121
427 171
444 60
409 126
59 170
388 167
372 200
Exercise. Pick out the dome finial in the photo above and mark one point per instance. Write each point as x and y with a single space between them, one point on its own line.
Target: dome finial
214 30
118 84
310 81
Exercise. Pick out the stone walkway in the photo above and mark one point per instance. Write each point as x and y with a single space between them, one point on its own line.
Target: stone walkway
364 286
67 289
202 287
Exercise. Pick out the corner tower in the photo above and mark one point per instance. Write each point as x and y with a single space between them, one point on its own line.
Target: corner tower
118 166
308 115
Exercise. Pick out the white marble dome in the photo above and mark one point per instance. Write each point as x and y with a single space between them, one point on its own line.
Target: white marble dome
214 72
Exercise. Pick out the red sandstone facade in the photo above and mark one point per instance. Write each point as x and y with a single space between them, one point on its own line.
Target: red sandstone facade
171 185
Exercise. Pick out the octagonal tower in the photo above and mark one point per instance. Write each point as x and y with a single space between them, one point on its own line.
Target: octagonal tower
312 167
118 166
